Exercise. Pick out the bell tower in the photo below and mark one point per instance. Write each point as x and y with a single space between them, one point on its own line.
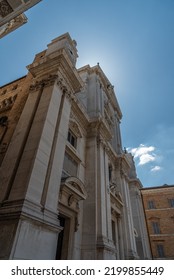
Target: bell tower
64 42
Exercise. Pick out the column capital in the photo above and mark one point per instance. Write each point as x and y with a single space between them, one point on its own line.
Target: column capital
47 81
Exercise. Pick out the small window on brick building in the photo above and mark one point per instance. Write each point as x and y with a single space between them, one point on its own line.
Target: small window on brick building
151 204
72 139
156 227
171 202
160 251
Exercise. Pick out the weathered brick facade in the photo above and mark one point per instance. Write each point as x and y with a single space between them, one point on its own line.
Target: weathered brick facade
12 100
159 211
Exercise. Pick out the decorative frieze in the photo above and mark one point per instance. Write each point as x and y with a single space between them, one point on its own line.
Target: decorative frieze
5 8
50 80
12 25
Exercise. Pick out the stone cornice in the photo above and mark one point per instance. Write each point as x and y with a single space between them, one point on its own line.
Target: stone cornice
99 127
54 62
163 188
47 81
51 80
26 209
122 164
73 153
108 88
74 126
136 182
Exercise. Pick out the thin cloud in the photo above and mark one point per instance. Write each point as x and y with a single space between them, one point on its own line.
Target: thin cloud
156 168
144 154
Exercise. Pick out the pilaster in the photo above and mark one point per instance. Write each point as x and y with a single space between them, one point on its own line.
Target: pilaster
142 241
89 229
128 226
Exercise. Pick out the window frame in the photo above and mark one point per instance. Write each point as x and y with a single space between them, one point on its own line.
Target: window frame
72 139
160 250
171 202
156 227
151 204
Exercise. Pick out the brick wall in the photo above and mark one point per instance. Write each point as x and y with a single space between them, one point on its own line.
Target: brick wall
160 220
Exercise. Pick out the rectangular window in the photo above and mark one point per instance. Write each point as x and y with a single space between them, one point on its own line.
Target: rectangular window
72 139
160 250
151 204
156 227
171 202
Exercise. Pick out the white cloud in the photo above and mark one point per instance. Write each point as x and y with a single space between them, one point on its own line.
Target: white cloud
156 168
144 154
145 158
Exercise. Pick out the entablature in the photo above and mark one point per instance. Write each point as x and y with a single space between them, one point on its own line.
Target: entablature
98 126
52 63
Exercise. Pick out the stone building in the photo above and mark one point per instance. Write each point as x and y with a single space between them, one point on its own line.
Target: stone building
159 211
12 14
67 189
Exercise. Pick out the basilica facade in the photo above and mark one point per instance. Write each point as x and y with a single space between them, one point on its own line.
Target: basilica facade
67 188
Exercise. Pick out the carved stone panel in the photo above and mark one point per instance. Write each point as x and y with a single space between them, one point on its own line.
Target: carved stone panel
12 25
5 8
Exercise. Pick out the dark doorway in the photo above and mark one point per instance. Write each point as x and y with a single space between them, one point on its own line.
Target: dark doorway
63 239
60 239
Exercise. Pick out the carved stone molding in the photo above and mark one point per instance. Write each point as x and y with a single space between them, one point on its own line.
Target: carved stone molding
70 199
62 85
75 127
101 141
115 214
72 190
5 8
122 167
50 80
12 25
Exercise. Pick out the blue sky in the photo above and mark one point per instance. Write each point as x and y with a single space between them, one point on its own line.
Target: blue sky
133 40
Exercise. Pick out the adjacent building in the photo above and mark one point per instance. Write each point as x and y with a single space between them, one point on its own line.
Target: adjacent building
67 188
12 14
159 211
